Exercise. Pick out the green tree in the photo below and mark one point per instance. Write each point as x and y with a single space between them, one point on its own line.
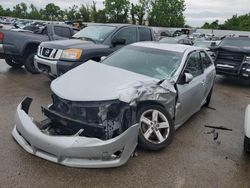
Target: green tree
167 13
51 11
2 11
206 26
8 12
117 10
93 12
20 10
84 13
133 12
213 25
101 16
141 9
72 13
34 13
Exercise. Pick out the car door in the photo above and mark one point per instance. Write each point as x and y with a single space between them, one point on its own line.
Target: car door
129 34
209 71
190 95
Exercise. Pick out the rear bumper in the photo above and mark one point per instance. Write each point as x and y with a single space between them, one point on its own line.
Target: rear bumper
229 70
73 151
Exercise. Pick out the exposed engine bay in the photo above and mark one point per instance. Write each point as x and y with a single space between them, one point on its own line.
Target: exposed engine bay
103 120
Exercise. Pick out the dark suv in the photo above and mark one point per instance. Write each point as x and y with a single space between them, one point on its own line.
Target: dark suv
91 43
233 57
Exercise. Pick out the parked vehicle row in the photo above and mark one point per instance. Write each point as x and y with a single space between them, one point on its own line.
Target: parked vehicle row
117 88
233 57
91 43
19 48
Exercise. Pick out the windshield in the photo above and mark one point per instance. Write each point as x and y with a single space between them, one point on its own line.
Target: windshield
242 42
156 63
97 32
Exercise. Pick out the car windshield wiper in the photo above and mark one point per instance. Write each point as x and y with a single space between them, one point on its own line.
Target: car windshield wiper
86 38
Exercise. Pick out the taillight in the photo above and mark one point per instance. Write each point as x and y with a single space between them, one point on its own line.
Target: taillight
1 36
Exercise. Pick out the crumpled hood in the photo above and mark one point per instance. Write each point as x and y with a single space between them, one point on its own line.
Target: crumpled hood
94 81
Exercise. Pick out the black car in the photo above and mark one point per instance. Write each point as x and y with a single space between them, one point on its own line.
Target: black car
233 57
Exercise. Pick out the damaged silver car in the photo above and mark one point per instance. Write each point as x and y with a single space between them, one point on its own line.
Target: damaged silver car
141 93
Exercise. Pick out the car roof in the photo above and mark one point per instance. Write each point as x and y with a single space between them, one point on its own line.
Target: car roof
168 47
116 25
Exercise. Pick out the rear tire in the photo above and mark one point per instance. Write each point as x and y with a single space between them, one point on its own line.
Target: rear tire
29 64
246 145
13 63
157 133
209 97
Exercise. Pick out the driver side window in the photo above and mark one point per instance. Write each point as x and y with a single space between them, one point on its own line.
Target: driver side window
193 65
129 34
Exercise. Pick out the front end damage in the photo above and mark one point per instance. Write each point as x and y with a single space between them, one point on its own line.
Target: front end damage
99 144
90 134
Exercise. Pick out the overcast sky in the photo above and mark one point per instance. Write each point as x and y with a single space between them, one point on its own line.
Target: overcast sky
197 11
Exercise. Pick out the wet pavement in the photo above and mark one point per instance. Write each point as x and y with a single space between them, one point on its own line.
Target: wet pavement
194 159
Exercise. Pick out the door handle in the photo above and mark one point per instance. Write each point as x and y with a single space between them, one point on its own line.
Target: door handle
203 82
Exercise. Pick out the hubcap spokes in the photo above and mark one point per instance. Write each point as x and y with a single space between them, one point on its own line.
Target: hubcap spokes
154 126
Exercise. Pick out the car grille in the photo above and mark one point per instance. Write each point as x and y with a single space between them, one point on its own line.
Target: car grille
49 53
231 57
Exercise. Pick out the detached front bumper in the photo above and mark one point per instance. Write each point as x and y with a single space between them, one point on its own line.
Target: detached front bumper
73 151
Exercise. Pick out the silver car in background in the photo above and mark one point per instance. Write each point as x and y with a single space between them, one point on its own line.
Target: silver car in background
141 93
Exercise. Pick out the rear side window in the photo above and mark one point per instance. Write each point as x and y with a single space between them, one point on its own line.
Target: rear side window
62 31
145 34
129 34
194 65
205 60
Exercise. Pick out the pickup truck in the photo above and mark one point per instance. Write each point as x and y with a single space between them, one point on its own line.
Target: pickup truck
19 48
91 43
233 57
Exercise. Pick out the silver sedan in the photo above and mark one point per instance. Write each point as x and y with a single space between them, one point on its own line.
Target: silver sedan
101 111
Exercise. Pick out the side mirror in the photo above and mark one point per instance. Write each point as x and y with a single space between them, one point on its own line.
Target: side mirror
188 77
116 41
103 57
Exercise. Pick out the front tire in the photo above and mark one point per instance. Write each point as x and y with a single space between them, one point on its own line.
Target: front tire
156 127
29 64
247 145
209 97
13 63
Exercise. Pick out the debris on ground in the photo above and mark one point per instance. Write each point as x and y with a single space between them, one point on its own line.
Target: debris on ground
215 133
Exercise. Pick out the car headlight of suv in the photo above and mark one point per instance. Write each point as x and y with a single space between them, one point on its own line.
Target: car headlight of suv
71 54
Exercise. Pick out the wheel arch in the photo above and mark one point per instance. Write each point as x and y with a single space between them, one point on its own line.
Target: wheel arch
30 48
151 102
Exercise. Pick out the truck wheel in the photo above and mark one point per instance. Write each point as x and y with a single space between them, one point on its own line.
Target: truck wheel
156 127
29 64
13 63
